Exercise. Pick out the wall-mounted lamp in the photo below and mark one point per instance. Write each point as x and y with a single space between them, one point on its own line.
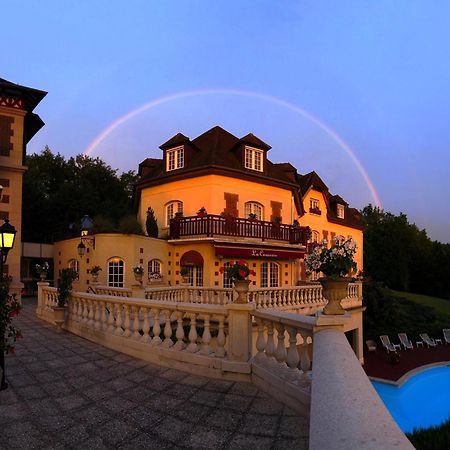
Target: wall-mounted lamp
86 237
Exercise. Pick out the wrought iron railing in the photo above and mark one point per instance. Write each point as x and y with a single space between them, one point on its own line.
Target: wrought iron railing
213 225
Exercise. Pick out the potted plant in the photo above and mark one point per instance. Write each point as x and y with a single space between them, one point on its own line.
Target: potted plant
202 212
155 277
184 272
239 272
68 276
42 270
95 271
178 215
295 223
277 220
335 263
252 216
138 272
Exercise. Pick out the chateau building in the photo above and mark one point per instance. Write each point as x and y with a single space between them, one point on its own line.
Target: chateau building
18 124
217 198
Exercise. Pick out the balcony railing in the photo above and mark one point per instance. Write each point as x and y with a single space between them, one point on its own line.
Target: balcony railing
212 225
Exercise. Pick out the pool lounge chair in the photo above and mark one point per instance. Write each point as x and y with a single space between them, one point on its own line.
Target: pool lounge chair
407 344
446 332
387 343
425 338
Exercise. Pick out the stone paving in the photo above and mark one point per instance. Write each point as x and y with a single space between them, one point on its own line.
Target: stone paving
68 393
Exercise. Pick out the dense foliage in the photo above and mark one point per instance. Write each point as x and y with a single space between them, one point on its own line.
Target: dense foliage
404 257
9 308
68 276
237 270
151 224
434 438
334 262
388 314
87 184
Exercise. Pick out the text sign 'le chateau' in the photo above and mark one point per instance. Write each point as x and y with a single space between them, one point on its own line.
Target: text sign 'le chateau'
258 252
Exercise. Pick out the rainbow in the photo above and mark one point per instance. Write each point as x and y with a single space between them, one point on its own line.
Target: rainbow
170 98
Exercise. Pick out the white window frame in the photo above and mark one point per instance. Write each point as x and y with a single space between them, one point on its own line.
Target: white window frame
340 211
171 209
314 203
270 275
254 208
227 280
254 159
174 158
116 272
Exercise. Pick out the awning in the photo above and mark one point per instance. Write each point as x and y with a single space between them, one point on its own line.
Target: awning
191 258
258 252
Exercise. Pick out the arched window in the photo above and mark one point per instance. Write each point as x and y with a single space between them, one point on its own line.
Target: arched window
74 264
116 272
171 209
254 208
270 274
227 280
315 237
154 269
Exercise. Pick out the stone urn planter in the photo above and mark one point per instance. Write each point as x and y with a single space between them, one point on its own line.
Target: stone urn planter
59 315
94 277
334 290
241 287
138 277
43 276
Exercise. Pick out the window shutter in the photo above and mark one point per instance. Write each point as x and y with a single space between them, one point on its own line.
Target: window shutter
5 135
231 201
276 210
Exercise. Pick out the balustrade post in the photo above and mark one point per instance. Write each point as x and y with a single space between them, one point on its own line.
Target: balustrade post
179 345
136 334
220 352
193 347
40 305
292 354
145 326
138 291
206 338
240 331
156 328
280 353
167 330
260 341
270 346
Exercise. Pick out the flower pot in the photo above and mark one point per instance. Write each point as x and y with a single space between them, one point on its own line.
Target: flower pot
138 277
334 291
43 276
94 277
241 287
59 315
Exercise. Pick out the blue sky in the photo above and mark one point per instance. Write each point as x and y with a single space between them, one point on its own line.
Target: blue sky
375 73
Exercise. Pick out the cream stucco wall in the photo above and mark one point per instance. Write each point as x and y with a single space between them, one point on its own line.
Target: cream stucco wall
12 169
208 191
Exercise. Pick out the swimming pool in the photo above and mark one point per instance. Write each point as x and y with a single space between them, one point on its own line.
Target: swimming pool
422 401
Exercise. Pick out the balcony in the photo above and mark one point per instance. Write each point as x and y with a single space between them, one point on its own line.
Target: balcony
211 225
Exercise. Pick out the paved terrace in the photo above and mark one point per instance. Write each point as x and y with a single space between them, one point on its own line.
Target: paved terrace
68 393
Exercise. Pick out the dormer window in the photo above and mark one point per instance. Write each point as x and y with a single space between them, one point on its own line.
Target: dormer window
340 211
175 158
314 206
254 159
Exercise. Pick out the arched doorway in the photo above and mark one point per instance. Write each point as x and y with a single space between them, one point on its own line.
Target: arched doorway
193 261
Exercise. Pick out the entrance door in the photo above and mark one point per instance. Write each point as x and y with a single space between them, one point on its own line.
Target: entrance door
195 276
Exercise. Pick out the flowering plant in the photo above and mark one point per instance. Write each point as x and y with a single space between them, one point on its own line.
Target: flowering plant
154 276
95 270
237 270
138 270
202 210
252 216
333 262
42 268
9 308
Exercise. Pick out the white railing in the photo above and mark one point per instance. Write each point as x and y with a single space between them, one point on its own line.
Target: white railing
190 294
114 291
215 340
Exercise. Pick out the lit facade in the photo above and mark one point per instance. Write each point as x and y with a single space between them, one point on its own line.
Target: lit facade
218 198
18 124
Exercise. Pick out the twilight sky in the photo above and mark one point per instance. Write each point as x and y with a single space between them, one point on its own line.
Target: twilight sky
357 90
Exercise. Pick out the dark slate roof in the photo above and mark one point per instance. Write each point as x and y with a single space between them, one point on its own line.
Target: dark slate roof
338 199
255 141
174 141
311 179
31 96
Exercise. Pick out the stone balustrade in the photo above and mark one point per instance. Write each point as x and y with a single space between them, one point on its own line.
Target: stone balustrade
216 340
114 291
191 294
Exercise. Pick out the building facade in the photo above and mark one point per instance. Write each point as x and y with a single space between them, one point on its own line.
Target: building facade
218 198
18 124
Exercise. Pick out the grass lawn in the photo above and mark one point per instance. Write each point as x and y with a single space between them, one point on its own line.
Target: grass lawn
441 305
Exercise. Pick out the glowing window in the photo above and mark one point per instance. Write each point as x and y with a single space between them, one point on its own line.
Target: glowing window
254 208
116 272
175 158
171 209
253 159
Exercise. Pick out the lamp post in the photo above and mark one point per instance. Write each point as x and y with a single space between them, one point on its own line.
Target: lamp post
86 228
7 236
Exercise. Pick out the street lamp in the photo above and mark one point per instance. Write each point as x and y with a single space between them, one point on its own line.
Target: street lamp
7 236
86 227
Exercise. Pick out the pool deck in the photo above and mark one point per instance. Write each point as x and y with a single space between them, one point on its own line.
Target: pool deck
68 393
378 365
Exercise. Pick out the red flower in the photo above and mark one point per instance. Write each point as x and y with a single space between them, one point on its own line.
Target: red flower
14 313
241 262
10 350
242 273
222 270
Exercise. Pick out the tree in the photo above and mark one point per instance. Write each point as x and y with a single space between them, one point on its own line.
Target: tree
151 224
57 193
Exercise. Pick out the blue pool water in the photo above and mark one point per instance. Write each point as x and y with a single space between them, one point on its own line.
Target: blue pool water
421 402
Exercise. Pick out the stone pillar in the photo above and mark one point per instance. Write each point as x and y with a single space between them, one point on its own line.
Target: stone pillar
138 291
93 285
239 338
40 302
